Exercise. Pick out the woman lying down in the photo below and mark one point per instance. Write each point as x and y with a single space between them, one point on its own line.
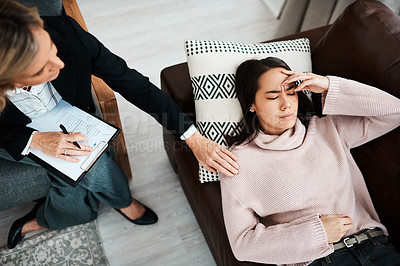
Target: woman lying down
299 197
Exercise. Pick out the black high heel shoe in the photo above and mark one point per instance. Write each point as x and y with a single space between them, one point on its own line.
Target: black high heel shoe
149 217
14 235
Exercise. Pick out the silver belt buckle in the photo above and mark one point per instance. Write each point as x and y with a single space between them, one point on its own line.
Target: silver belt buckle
347 244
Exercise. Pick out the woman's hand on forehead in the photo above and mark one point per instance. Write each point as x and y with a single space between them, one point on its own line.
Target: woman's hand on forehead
307 81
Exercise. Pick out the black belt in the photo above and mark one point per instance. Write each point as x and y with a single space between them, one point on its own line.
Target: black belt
352 240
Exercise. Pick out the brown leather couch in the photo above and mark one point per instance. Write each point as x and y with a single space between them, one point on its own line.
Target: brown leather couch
364 45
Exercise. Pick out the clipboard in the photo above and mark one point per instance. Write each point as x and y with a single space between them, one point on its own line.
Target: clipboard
70 115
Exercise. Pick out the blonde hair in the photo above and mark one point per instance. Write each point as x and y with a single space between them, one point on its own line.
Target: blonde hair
18 46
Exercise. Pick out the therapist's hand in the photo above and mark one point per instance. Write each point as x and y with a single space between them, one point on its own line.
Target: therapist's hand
213 156
59 145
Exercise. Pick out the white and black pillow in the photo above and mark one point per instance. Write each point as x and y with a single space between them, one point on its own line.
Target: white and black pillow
212 68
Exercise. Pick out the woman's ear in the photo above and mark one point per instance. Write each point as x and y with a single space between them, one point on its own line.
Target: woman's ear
252 109
16 84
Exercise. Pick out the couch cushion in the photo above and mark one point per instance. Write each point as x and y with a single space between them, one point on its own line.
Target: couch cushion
212 67
364 45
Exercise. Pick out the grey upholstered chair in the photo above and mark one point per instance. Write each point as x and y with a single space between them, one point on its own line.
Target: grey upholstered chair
31 185
45 7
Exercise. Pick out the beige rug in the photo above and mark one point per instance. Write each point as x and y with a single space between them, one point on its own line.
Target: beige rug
76 245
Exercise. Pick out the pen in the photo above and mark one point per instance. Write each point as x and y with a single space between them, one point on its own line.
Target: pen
66 132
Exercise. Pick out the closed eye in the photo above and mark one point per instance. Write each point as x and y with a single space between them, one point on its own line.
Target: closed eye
287 90
291 88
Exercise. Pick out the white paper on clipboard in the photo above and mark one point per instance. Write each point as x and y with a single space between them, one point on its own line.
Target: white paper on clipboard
98 132
94 155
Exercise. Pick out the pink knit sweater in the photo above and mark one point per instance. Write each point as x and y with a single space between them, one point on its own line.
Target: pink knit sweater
272 208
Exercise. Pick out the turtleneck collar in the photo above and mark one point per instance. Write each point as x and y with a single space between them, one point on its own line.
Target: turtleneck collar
288 140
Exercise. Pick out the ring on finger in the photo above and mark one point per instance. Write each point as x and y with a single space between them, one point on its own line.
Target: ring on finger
65 152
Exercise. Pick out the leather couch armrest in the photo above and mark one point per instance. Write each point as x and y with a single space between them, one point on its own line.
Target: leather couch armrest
175 81
313 35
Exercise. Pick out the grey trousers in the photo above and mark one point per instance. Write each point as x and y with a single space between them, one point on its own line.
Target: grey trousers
66 205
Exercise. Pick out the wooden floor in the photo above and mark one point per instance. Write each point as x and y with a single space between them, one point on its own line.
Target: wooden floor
149 35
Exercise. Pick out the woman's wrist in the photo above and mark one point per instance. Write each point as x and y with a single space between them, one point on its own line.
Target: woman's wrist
35 143
327 84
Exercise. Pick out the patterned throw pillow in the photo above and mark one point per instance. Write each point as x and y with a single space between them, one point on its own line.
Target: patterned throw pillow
212 68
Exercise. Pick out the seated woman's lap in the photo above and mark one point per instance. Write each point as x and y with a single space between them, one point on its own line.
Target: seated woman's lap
104 182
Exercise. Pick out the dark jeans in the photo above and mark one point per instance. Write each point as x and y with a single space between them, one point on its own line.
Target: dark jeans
376 251
66 206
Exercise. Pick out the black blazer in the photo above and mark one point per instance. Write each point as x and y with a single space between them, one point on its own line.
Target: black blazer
84 55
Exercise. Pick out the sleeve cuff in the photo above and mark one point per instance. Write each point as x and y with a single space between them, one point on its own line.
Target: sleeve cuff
26 150
188 133
321 239
329 98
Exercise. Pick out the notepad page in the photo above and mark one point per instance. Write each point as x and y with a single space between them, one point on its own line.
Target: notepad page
74 120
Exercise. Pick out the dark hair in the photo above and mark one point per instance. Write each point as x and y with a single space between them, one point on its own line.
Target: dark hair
246 87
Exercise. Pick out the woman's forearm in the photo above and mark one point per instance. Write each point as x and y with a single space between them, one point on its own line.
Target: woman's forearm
360 112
